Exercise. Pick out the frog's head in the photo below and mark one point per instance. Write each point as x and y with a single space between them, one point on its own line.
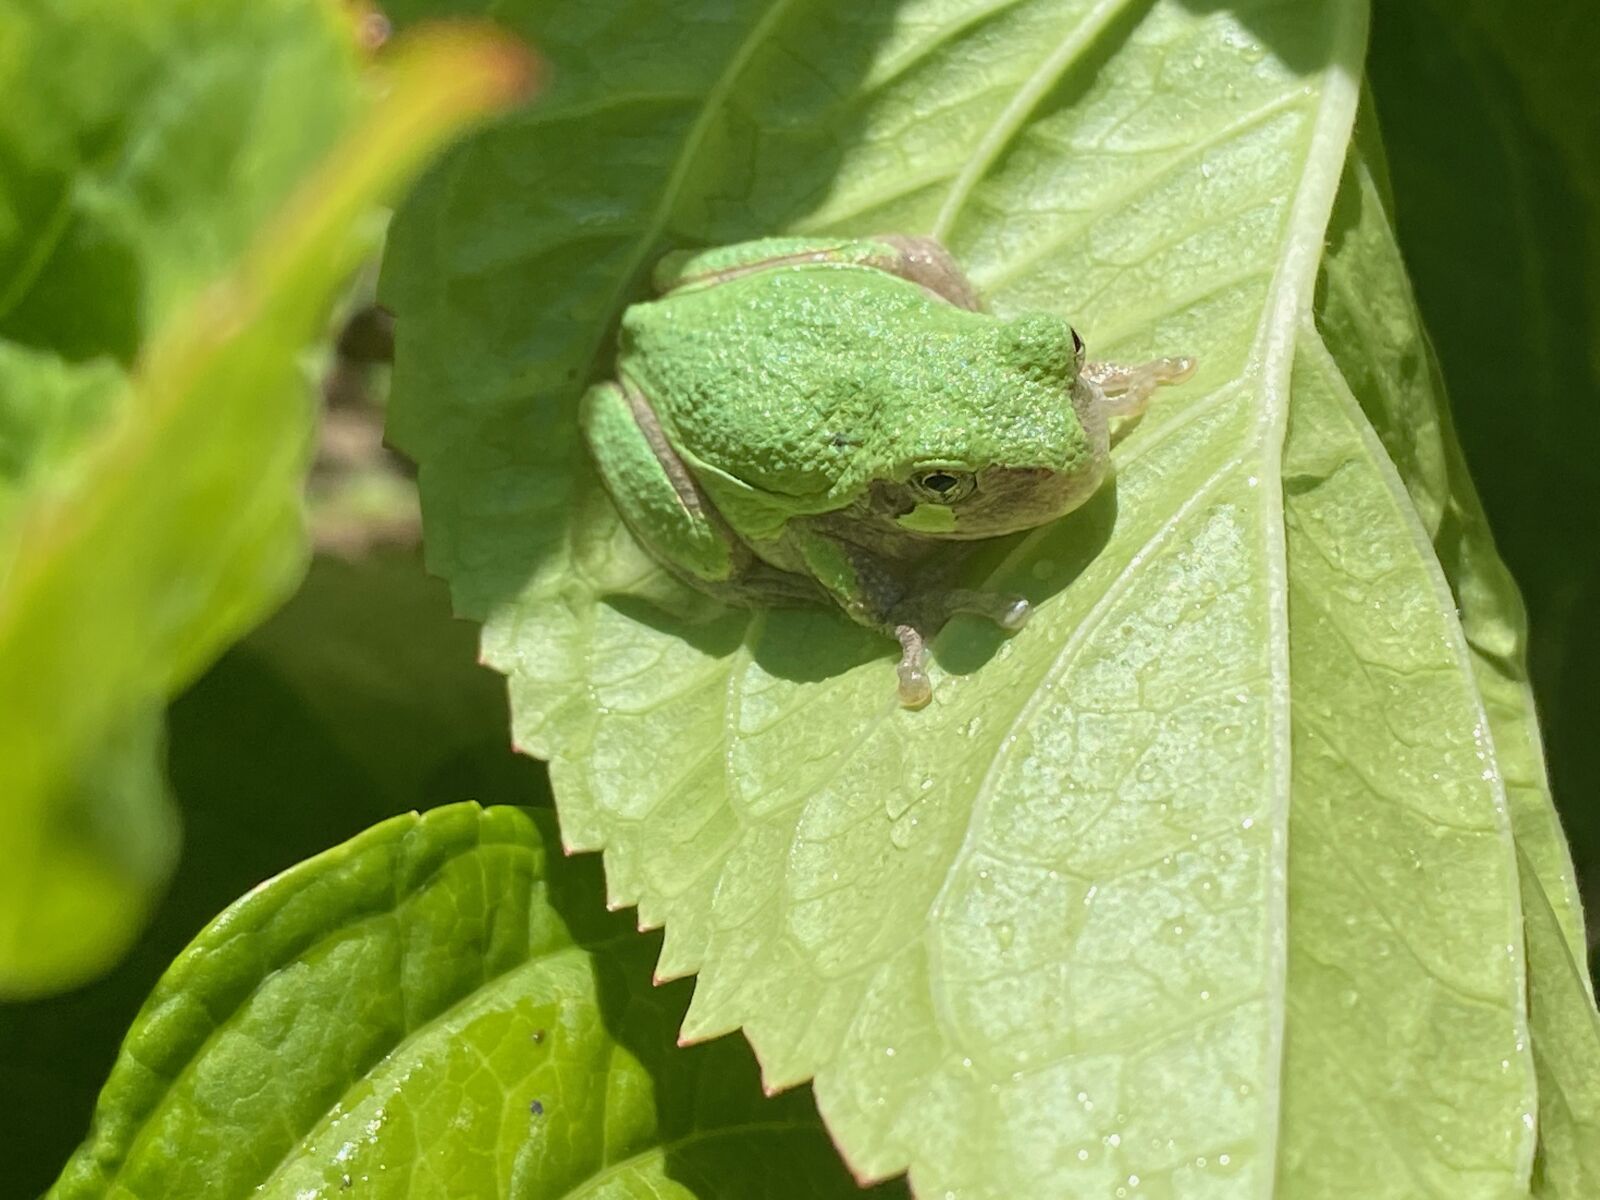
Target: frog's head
1023 445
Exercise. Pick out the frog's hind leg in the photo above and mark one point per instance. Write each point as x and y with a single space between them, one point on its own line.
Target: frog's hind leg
652 489
1127 389
667 512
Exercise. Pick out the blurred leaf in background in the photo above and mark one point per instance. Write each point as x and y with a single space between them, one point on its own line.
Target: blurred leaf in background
1489 114
186 187
359 700
142 147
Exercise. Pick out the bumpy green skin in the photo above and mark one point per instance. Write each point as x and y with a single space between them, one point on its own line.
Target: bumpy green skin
802 418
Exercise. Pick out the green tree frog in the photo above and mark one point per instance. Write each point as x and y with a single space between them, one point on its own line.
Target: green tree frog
805 420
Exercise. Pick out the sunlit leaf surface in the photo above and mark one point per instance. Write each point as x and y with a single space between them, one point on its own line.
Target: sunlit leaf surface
1204 884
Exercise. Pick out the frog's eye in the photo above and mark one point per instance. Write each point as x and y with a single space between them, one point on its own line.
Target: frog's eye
1077 345
943 486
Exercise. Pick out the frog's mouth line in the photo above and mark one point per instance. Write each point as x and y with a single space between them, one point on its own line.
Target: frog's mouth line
1010 499
1005 500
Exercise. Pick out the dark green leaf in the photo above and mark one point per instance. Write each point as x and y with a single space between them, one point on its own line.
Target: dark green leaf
436 1008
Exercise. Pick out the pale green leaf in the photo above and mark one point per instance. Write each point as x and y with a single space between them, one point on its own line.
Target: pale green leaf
139 148
435 1009
1202 885
1566 1050
176 525
1367 312
1495 157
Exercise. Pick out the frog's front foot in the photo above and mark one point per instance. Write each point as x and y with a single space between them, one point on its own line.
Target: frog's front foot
1127 389
1007 610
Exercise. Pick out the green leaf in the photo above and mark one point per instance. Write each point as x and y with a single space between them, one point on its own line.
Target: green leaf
357 700
1203 881
1496 166
176 525
143 147
437 1008
47 407
1566 1049
1367 310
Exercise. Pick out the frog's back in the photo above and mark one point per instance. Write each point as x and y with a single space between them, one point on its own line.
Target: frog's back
798 385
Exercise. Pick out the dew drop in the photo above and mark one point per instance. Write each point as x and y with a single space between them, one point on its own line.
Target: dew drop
1005 933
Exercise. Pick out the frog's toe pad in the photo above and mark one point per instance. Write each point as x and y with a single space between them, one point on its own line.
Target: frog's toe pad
1176 370
915 688
1014 615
